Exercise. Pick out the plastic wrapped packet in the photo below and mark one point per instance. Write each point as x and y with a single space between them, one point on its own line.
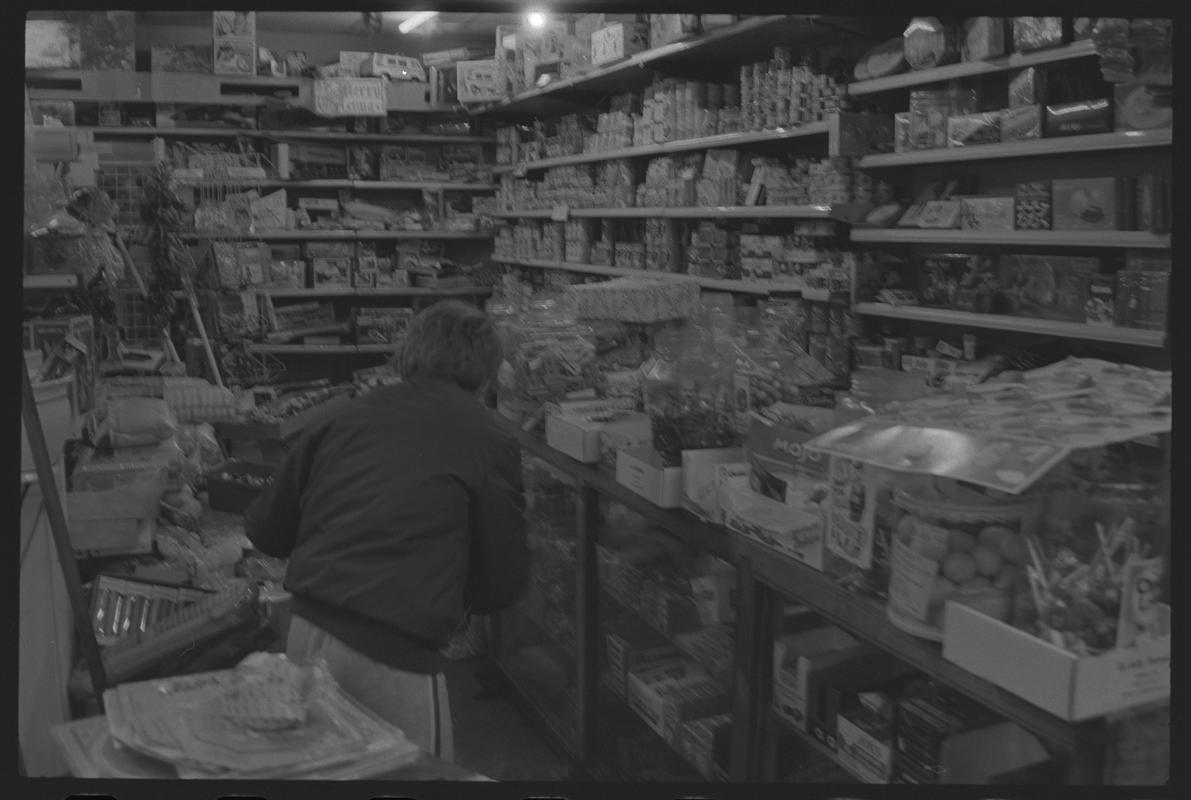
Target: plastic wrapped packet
136 421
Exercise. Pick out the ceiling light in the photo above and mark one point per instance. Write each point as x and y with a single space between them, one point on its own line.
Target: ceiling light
536 19
414 21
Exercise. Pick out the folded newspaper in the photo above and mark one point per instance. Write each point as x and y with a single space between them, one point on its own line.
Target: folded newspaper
268 718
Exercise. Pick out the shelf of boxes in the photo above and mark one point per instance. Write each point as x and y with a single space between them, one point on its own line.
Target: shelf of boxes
727 140
635 66
969 69
1066 145
760 288
1067 330
142 131
686 212
1130 239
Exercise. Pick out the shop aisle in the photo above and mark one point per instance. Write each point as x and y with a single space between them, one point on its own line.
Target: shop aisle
492 736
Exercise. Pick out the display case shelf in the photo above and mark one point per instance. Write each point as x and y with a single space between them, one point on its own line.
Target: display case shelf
780 723
967 69
333 183
1132 239
719 140
1048 148
759 288
1044 327
865 618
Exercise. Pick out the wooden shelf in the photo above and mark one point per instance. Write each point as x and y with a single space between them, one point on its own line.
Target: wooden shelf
50 282
690 212
865 617
393 291
726 140
1065 145
968 69
378 185
1067 330
1137 239
761 288
137 131
723 46
370 235
820 748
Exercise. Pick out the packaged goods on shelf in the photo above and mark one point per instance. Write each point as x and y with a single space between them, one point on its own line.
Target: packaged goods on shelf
971 129
697 742
1093 204
1021 123
635 300
649 474
930 43
1047 287
792 531
798 661
930 110
1141 107
960 281
1037 33
1079 119
984 38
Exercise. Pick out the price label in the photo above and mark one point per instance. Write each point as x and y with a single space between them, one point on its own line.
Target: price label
560 213
350 97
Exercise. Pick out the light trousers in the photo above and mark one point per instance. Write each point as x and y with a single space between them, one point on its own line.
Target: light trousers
415 703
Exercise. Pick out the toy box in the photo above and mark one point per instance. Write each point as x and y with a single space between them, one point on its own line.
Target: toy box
1032 206
619 40
1021 123
1047 287
1079 119
1100 204
987 213
971 129
181 58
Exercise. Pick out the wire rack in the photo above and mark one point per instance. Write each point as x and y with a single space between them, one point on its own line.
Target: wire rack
134 319
124 183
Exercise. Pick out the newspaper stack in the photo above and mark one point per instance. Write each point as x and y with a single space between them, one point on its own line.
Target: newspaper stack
266 719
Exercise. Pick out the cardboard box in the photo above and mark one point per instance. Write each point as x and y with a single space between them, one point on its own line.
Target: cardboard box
1079 119
633 647
647 688
46 334
1027 87
578 434
619 40
666 28
479 81
794 532
797 660
181 58
643 472
865 746
51 44
697 742
987 213
1101 306
1032 206
331 271
1140 107
699 487
1022 123
630 432
1058 681
971 129
234 57
107 40
1098 204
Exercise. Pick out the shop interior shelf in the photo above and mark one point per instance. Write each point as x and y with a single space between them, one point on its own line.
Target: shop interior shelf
741 139
970 68
1069 330
691 57
334 183
690 212
760 288
1138 239
778 722
610 698
1065 145
279 235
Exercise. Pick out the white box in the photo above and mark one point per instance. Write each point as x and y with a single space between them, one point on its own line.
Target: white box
578 436
786 529
1057 680
479 81
700 492
646 689
630 432
642 471
617 41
